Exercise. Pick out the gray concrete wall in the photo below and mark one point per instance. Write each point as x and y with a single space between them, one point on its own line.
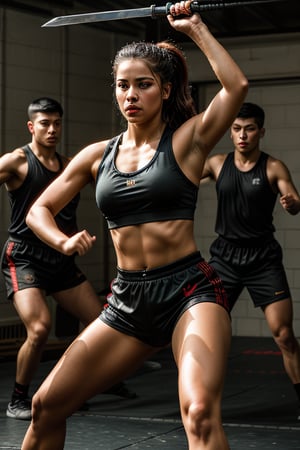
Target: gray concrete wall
73 65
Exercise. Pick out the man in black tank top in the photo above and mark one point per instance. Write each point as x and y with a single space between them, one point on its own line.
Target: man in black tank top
246 254
31 268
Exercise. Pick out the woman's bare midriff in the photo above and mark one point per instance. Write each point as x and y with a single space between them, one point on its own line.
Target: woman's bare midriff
154 244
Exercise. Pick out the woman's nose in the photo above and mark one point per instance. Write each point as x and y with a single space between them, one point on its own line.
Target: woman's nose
132 94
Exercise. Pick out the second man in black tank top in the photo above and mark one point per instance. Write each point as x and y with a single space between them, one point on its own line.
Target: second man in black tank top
246 254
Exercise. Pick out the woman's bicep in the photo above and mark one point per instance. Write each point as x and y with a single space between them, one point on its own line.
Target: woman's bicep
67 185
215 120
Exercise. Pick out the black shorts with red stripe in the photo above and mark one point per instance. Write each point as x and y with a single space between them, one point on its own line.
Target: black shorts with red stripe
26 265
147 304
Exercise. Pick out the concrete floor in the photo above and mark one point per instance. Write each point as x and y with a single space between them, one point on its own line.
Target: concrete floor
259 406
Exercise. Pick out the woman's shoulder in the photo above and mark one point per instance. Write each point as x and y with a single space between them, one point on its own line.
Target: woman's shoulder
92 155
101 146
93 151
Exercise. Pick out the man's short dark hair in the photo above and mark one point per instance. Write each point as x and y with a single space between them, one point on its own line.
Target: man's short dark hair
46 105
251 110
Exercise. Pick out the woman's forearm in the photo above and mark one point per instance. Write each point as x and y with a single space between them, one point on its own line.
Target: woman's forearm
40 220
225 68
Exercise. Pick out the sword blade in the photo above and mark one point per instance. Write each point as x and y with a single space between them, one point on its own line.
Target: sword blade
151 11
99 17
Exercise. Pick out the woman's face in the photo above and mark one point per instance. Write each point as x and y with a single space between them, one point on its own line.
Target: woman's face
139 92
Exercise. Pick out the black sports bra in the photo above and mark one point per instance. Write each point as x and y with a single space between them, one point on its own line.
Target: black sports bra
158 192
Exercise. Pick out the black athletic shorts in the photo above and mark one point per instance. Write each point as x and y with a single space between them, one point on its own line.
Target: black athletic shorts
26 265
257 268
147 304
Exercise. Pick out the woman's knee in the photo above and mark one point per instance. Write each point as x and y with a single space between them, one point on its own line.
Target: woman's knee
44 407
40 417
36 407
200 419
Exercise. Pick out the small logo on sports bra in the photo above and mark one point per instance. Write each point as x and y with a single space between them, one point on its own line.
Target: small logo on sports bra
130 183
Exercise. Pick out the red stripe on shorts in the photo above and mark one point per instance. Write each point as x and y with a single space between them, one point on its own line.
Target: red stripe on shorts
12 267
215 280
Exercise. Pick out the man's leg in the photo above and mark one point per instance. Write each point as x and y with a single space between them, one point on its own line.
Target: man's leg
81 301
32 309
279 316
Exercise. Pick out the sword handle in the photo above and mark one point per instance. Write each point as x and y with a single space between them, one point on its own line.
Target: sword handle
210 6
205 5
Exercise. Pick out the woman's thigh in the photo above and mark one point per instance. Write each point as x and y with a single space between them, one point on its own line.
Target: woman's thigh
201 343
98 358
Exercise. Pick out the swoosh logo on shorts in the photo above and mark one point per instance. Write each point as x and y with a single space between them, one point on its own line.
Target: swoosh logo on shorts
279 292
189 290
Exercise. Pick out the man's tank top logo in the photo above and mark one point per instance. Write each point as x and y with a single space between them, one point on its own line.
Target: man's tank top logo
256 181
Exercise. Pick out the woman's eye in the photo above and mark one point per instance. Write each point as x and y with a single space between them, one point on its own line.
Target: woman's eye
144 85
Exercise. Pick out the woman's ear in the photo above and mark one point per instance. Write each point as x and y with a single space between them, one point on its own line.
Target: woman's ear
166 90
